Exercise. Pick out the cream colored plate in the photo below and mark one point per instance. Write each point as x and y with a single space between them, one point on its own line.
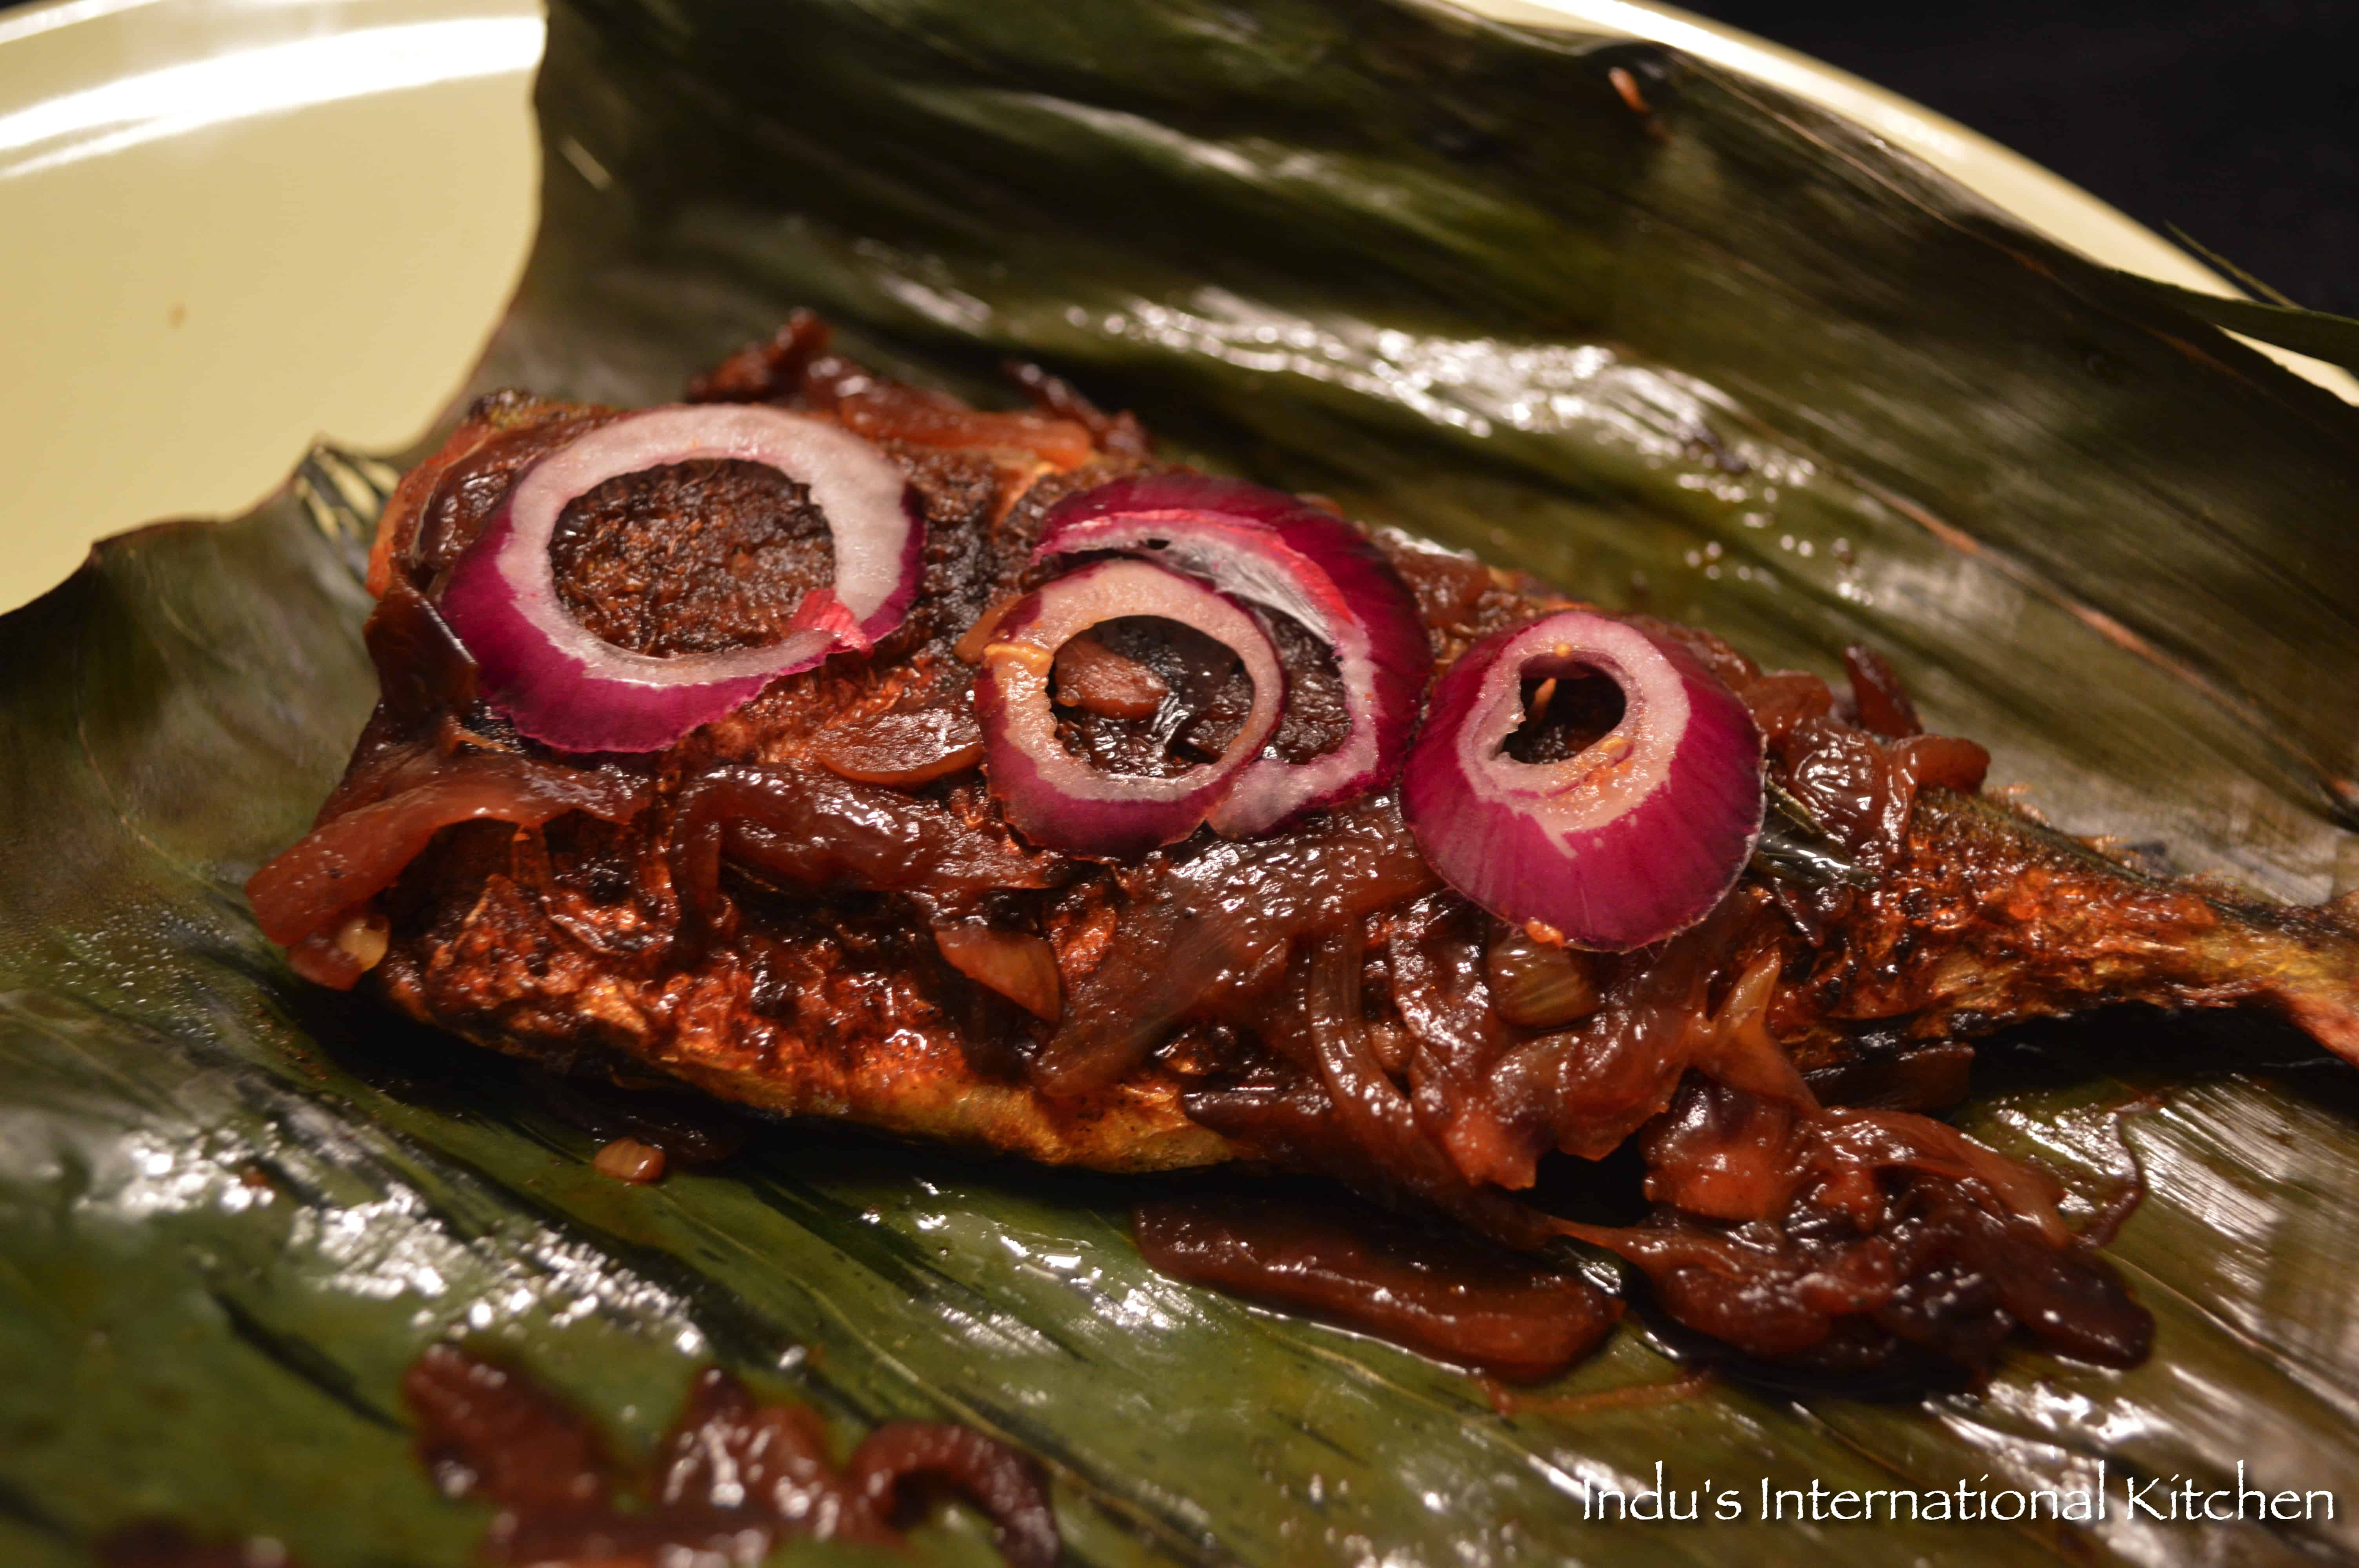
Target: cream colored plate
229 226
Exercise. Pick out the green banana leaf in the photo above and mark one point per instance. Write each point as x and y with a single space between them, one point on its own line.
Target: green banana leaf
2334 339
1726 358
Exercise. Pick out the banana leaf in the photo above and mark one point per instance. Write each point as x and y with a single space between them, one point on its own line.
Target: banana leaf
1664 337
2334 339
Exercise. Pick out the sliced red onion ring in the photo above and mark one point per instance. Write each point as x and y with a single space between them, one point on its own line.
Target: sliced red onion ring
1634 838
1057 799
1269 548
566 688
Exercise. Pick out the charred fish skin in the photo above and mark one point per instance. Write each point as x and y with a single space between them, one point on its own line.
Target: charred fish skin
1991 918
814 907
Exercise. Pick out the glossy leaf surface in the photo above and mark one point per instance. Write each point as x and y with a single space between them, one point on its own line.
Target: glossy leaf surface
1723 359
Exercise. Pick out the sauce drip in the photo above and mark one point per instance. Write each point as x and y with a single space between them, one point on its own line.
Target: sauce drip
1447 1296
734 1475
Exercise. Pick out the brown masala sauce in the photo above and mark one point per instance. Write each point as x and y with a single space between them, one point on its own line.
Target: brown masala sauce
1318 999
731 1477
734 1475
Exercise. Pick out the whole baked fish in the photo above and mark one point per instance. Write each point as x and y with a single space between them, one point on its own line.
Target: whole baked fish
841 893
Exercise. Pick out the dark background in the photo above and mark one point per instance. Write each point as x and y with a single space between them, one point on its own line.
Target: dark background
2236 120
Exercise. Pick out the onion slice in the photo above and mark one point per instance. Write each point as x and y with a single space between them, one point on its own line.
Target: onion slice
1057 799
1636 837
1271 549
569 690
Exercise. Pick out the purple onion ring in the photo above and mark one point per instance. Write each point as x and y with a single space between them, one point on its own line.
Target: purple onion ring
1057 799
1634 838
1271 549
569 690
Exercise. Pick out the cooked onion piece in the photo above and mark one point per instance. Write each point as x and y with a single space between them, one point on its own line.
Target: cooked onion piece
564 686
1635 836
1094 678
902 750
1538 984
352 857
1057 799
1021 968
1271 549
